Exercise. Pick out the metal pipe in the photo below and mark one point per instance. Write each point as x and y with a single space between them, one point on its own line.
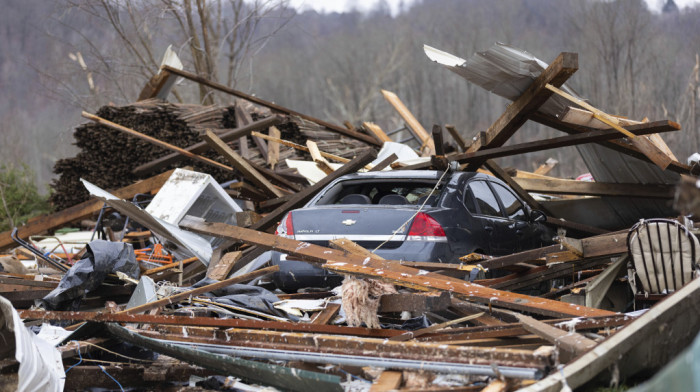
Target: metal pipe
352 360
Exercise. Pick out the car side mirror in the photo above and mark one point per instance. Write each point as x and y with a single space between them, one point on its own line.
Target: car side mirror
538 216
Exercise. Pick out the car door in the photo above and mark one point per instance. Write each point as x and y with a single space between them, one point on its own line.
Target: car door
519 227
486 209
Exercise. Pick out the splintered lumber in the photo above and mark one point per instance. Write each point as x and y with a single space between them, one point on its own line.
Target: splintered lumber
272 106
316 156
529 101
654 153
546 167
298 199
457 137
572 187
240 164
155 141
244 118
274 177
428 145
377 131
82 210
624 146
201 147
646 343
273 148
433 328
392 271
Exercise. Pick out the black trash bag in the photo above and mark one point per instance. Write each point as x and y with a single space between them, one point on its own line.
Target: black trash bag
101 259
245 296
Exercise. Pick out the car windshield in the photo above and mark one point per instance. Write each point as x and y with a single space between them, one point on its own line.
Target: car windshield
395 191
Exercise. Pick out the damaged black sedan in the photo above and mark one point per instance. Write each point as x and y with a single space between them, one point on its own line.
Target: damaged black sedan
410 215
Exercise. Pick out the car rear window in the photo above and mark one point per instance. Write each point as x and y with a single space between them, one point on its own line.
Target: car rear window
382 192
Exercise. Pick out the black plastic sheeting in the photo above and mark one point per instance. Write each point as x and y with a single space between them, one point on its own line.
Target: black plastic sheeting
102 258
244 296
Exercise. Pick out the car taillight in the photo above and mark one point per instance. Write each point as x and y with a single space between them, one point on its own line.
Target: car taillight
286 227
425 227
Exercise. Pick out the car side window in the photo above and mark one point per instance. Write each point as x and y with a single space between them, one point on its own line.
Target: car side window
485 199
514 208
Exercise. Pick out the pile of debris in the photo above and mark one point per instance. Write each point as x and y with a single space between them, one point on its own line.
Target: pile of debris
173 278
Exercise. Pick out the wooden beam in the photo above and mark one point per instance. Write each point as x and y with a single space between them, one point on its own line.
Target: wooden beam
428 147
300 147
274 107
305 195
654 153
529 101
240 164
623 146
243 118
326 315
571 342
586 136
388 270
461 143
82 210
384 163
572 187
221 269
431 301
437 139
377 131
500 173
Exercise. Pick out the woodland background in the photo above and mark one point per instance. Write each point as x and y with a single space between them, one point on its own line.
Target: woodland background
59 58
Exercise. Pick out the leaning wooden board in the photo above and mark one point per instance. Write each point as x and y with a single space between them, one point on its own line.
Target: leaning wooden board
391 271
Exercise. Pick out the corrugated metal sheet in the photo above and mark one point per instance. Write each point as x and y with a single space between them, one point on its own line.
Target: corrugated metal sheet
508 71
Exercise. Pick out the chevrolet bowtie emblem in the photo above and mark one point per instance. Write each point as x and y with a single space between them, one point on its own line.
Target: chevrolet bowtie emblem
348 222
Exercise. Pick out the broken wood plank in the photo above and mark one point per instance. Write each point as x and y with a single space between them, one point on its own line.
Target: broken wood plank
391 271
546 167
573 343
573 187
433 328
244 118
305 195
326 315
430 301
437 140
82 210
428 146
273 106
273 151
201 147
384 162
245 191
222 268
377 131
240 164
387 381
247 218
558 72
300 147
316 156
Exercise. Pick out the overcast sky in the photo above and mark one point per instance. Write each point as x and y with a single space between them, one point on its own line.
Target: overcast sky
362 5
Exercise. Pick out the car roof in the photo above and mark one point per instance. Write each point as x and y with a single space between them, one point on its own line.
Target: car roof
412 174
